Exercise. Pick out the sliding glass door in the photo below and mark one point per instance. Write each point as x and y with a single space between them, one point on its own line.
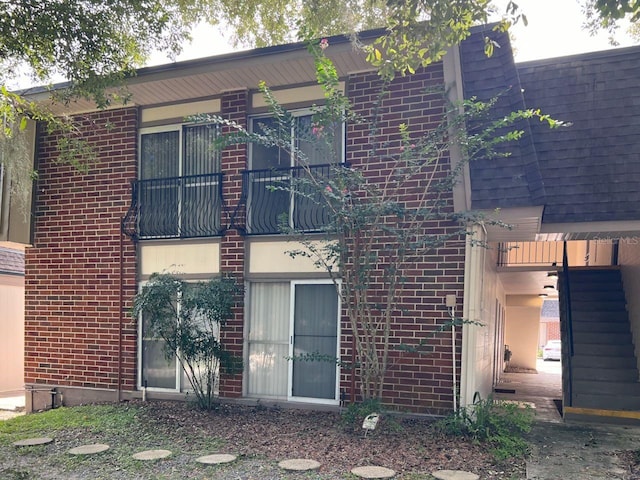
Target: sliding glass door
293 341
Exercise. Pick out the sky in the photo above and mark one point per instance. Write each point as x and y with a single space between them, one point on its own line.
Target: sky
554 29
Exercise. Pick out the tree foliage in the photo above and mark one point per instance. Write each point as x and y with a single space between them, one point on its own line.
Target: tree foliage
89 43
607 15
187 316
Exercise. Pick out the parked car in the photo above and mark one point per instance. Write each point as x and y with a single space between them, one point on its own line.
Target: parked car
552 350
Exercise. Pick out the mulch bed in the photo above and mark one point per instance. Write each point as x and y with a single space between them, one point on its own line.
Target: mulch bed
404 444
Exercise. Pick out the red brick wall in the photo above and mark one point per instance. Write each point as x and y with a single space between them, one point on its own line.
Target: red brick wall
415 382
232 250
72 272
72 278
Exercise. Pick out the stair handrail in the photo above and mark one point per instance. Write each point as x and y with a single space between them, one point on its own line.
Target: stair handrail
566 293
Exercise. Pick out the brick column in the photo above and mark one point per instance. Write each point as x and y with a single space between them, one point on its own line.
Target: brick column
232 249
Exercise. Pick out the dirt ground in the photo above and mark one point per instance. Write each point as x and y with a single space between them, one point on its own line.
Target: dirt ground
403 444
261 437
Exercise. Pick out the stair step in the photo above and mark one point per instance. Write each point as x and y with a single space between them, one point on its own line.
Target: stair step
603 361
605 350
608 296
602 327
605 374
601 338
580 285
591 316
605 402
597 305
609 388
596 272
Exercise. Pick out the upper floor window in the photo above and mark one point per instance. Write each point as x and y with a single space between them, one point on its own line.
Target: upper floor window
179 191
275 191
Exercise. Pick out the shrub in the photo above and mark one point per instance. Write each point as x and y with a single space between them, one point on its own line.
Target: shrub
498 424
187 316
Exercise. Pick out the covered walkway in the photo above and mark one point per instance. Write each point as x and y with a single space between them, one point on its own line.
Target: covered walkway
541 390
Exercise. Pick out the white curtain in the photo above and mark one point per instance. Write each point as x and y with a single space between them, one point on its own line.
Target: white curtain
268 339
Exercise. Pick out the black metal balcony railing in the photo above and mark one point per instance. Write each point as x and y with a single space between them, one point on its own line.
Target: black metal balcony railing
530 253
178 207
285 197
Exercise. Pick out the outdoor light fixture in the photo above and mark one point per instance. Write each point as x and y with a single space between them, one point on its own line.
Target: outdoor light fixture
549 287
552 275
543 295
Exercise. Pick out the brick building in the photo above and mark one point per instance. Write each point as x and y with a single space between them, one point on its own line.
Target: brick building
154 200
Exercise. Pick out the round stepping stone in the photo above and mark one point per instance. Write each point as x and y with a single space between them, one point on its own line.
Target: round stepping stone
152 454
89 449
454 475
216 458
30 442
299 464
373 472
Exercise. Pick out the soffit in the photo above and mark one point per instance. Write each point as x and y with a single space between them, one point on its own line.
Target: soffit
209 77
517 224
529 282
589 230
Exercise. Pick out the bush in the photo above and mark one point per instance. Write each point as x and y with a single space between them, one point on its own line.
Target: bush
500 425
187 316
355 413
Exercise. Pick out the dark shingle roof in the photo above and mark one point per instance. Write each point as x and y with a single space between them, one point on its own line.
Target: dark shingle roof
513 181
591 170
11 261
550 309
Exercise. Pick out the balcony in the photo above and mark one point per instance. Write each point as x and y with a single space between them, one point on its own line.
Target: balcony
280 199
178 207
545 254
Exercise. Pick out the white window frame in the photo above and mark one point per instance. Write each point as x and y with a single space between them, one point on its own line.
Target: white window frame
305 112
288 388
182 384
140 383
177 127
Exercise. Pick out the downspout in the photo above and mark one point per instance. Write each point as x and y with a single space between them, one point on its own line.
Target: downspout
472 284
353 370
453 355
121 310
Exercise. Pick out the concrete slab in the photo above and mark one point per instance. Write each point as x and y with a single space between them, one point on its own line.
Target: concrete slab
89 449
299 464
30 442
538 390
152 455
373 471
8 415
454 475
12 403
580 451
216 459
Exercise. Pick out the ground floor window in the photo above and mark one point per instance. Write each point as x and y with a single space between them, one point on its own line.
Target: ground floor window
289 321
156 370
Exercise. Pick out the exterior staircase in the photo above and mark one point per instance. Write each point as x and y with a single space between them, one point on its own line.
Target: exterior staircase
600 373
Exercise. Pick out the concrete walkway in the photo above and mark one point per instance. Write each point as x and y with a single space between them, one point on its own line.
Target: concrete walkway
11 407
580 451
567 451
540 390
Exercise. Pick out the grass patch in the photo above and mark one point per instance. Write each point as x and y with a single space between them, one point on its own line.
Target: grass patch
96 418
127 429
